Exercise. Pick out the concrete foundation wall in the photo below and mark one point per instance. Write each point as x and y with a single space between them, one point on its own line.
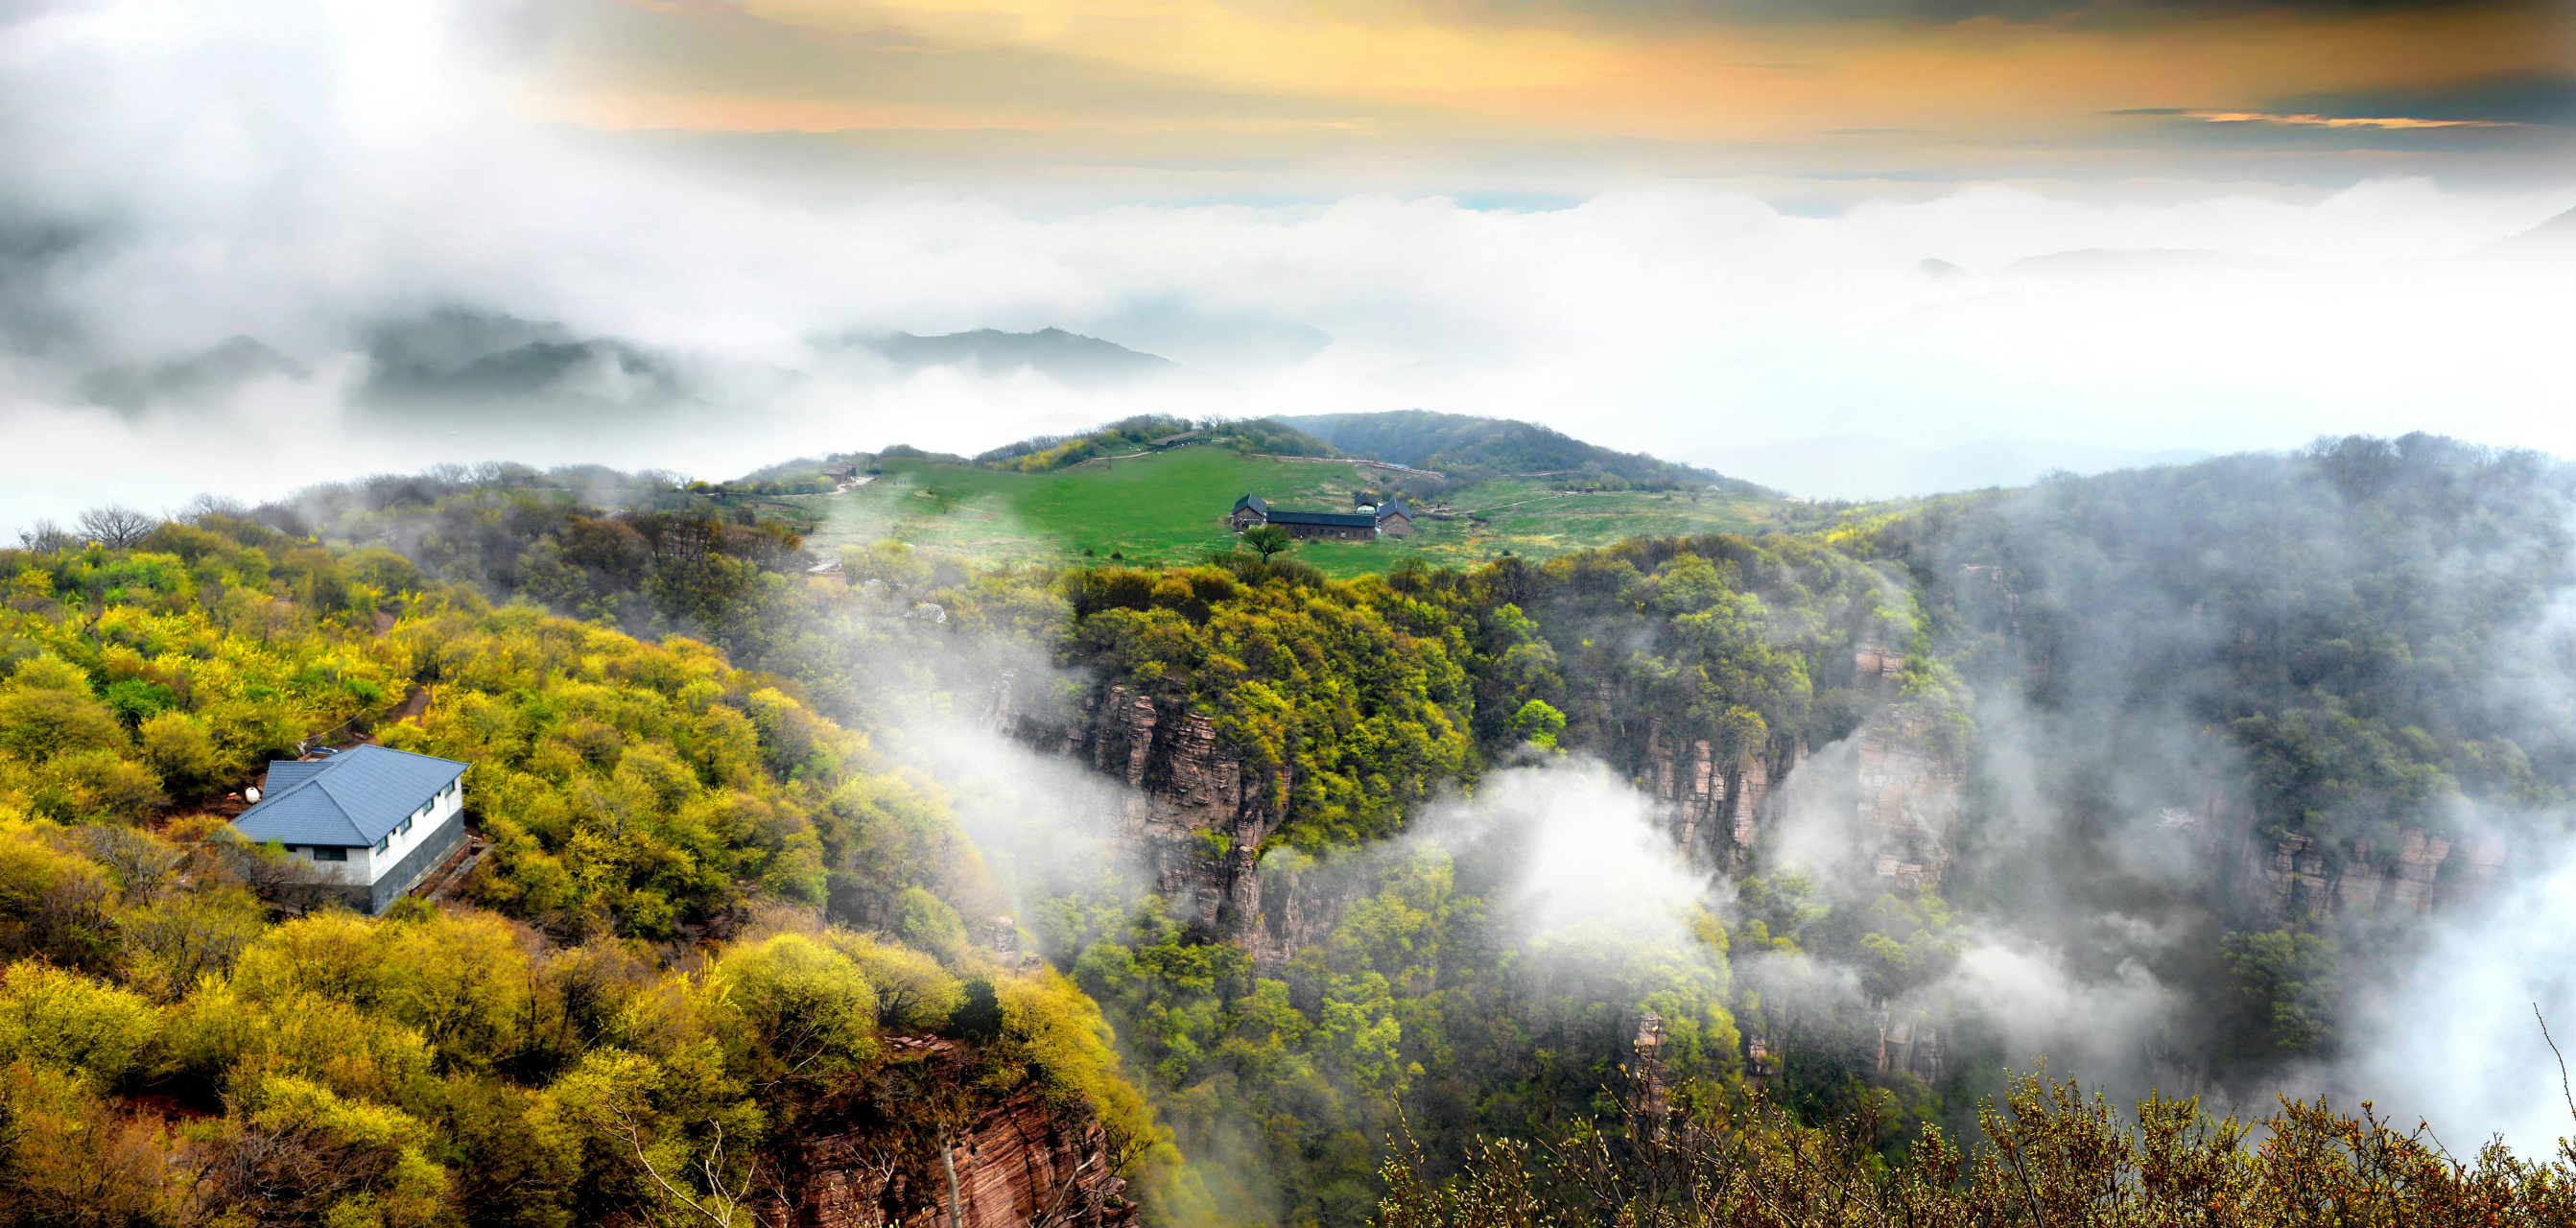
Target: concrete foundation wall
406 874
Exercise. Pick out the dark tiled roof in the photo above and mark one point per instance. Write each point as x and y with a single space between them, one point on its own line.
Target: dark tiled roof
1254 502
351 799
1348 520
1393 507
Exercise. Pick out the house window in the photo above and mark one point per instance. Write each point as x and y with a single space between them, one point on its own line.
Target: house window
406 825
382 844
324 852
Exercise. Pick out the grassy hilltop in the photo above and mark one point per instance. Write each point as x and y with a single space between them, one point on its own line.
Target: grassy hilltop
1170 506
1114 493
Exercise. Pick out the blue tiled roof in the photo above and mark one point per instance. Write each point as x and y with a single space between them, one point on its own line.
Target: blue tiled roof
350 800
285 774
1254 502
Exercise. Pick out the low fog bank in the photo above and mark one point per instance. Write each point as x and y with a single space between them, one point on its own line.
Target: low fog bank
2456 1036
1591 902
246 255
2270 782
1876 467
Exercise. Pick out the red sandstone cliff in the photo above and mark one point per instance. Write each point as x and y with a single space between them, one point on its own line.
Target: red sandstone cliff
869 1154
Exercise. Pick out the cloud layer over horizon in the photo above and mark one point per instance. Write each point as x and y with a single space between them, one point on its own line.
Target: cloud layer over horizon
246 252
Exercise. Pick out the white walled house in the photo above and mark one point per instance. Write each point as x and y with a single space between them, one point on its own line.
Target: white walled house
373 819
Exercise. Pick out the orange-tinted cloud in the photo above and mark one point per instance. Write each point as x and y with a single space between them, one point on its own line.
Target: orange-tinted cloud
1425 73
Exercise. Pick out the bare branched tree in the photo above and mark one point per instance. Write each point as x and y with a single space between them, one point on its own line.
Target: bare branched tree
284 1175
141 864
117 528
46 537
197 509
276 879
722 1202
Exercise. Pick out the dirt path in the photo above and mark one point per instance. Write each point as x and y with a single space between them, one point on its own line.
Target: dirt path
412 706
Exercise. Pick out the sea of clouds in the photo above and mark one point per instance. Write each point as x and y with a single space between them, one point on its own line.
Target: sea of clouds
319 176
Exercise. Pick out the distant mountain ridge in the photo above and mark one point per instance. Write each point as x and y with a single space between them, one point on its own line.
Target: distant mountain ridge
1467 448
1071 359
2555 237
1047 453
1867 468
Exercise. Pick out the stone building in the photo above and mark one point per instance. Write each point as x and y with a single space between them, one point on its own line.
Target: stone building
1390 518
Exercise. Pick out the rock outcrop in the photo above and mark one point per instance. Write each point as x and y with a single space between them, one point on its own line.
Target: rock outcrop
1907 796
1910 1042
1713 807
870 1155
1194 814
2289 878
2300 877
1903 787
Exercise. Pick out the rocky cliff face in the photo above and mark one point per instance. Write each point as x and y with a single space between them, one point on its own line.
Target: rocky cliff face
1197 817
1194 814
1901 787
871 1154
1907 793
2298 877
2288 878
1715 809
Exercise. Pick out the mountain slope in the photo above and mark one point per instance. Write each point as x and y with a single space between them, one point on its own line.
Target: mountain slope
1071 359
1881 468
1047 453
1468 448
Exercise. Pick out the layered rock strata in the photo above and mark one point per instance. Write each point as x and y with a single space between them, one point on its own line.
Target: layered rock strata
878 1153
1193 814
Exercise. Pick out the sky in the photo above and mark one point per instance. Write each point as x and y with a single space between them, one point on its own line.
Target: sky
248 247
1572 98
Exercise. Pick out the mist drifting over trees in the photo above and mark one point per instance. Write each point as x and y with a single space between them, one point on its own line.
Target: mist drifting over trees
2226 781
919 828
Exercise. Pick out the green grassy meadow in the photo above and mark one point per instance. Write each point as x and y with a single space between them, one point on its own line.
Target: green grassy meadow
1168 507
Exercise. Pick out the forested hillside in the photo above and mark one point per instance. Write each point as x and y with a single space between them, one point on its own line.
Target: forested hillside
709 916
1738 828
1128 436
1465 449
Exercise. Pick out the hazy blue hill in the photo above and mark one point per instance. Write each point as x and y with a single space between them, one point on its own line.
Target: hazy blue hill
1872 467
1070 359
212 373
2555 237
1469 448
456 357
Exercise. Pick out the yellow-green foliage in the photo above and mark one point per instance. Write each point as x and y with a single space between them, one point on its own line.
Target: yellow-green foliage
1350 700
66 1021
630 787
1066 1040
2047 1155
398 1186
447 1064
913 992
453 1065
635 787
798 1007
133 678
73 1159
